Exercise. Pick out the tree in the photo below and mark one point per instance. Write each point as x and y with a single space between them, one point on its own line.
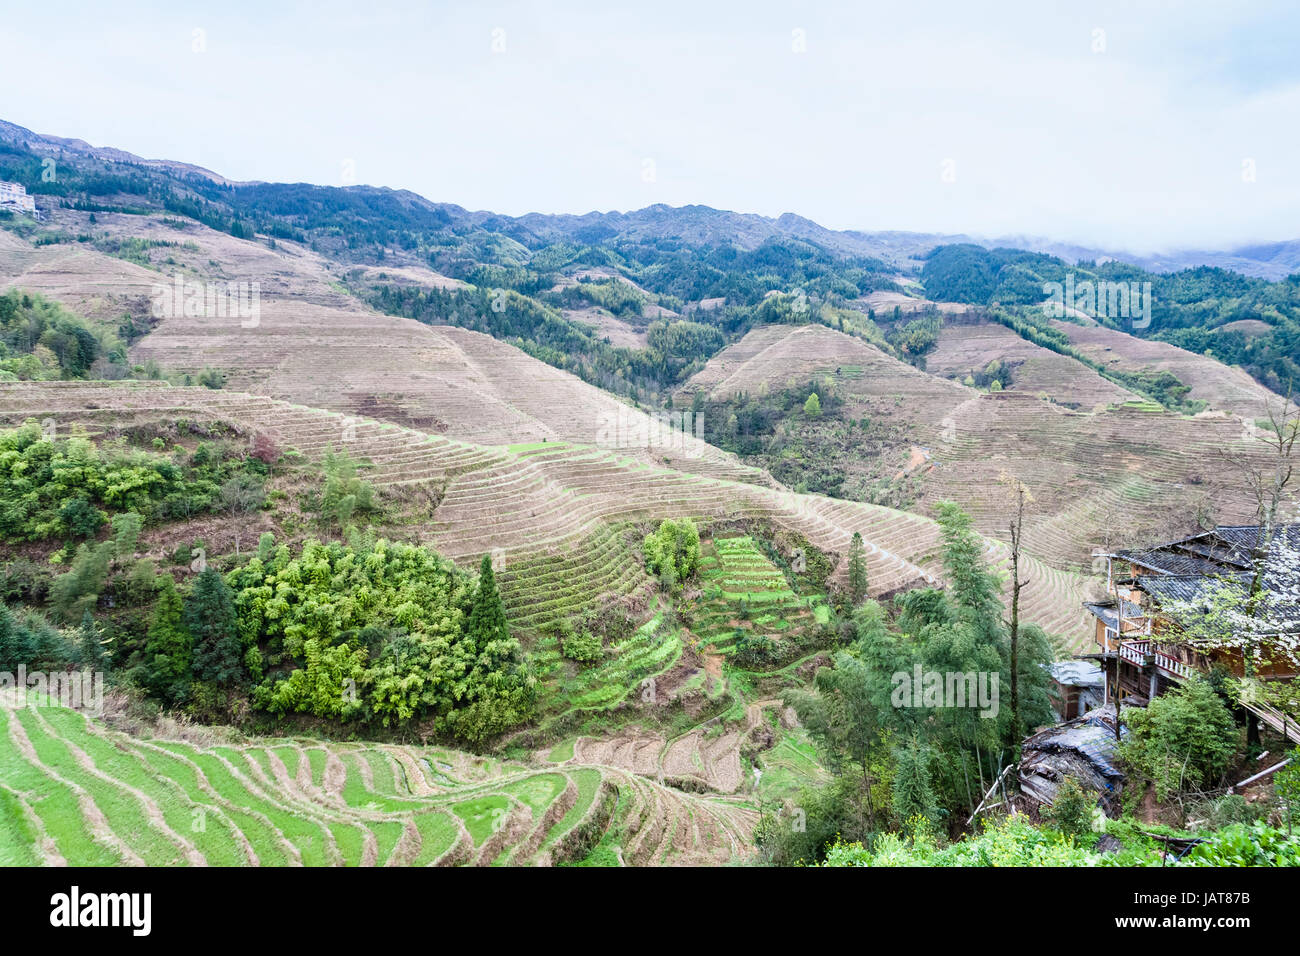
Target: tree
238 496
1286 786
1071 813
850 714
813 406
76 592
17 643
90 645
344 493
913 795
211 620
1268 485
487 616
1181 740
857 570
1016 529
973 586
80 519
169 647
675 545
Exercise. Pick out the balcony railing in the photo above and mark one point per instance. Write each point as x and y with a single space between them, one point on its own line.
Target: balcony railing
1143 652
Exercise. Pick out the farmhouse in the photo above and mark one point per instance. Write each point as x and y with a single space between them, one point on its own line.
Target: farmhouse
1153 630
14 196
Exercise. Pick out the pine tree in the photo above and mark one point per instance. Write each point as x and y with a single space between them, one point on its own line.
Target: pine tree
90 647
913 794
169 648
487 616
211 619
813 407
857 569
972 585
17 643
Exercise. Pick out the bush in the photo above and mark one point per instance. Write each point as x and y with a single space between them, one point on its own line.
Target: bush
1182 740
581 646
1072 813
673 549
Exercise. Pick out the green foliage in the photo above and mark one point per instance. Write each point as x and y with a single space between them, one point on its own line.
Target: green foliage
857 570
613 295
917 337
1256 844
344 495
580 645
76 592
62 488
26 638
1182 740
1189 309
673 549
169 648
405 633
40 340
1286 785
1072 813
913 795
812 408
973 586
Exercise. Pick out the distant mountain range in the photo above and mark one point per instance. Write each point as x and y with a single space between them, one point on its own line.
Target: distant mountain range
705 225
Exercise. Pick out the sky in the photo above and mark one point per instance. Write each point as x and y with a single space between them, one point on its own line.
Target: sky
1128 126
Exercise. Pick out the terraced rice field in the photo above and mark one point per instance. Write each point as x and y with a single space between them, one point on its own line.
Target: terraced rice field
745 591
1101 467
76 793
558 514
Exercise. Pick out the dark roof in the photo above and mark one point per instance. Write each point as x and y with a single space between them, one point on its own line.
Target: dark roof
1226 549
1171 559
1108 612
1196 590
1188 570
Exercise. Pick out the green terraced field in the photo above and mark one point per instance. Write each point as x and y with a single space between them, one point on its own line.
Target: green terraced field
744 590
75 792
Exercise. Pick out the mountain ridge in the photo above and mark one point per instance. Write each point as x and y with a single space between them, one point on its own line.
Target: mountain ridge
1272 260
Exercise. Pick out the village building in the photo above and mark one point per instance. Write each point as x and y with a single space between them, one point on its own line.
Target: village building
1141 628
1077 687
14 196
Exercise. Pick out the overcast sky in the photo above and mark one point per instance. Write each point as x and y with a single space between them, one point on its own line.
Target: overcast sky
1137 126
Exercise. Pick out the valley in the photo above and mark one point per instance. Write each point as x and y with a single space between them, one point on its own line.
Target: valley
415 485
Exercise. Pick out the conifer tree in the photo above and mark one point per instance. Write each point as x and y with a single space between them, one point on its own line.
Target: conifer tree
913 794
857 569
211 619
487 616
169 648
90 647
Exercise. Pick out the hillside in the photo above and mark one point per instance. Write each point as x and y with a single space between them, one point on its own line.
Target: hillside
965 350
553 508
1221 387
1115 466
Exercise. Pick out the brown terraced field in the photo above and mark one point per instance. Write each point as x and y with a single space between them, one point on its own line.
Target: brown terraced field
1225 388
555 510
966 349
1100 473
